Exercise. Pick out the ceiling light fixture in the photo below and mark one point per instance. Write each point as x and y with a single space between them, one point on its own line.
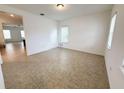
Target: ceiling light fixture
12 15
60 6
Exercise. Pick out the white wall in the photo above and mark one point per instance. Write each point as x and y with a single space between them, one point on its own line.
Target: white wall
2 86
88 33
41 32
115 55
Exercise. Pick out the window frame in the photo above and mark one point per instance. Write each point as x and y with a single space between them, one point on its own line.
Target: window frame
5 35
21 34
111 31
61 34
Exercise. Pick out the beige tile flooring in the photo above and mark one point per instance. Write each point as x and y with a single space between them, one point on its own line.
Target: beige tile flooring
55 68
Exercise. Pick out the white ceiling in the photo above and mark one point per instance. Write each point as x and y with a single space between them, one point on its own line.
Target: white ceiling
7 19
69 11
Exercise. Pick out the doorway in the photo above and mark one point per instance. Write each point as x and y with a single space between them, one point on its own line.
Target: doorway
13 44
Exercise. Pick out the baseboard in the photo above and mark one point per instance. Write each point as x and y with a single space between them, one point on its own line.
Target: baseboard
29 54
83 51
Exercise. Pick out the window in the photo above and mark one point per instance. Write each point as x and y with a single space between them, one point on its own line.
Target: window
22 34
64 34
112 26
7 34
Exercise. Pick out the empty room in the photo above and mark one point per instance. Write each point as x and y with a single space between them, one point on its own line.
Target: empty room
61 46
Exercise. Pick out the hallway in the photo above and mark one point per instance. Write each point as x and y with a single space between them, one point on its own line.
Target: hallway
13 52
